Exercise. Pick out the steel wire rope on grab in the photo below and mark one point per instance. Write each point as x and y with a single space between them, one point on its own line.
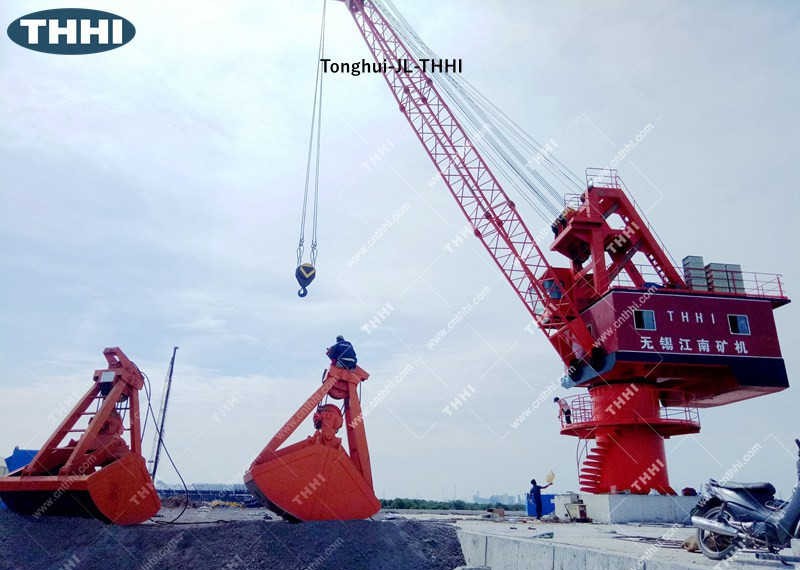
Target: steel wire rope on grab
150 413
306 271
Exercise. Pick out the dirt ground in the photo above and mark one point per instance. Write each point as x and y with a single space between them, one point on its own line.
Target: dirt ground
82 544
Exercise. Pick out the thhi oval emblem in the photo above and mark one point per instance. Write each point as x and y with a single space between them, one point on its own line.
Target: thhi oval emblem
71 31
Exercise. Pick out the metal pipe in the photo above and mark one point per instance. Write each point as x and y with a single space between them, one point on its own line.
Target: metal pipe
714 526
164 414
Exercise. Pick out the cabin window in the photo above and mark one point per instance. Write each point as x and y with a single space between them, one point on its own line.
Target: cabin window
739 324
644 320
553 289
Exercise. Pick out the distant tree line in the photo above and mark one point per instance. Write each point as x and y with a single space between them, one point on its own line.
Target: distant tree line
424 504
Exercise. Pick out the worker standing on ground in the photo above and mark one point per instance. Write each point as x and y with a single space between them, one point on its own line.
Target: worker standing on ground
563 410
536 495
342 354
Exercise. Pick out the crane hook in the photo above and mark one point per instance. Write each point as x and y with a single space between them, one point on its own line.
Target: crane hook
304 274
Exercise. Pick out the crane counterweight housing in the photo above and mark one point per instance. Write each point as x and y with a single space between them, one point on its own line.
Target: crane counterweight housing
648 342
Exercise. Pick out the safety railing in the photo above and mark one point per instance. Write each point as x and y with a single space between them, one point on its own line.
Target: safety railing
768 285
573 201
603 178
680 414
581 412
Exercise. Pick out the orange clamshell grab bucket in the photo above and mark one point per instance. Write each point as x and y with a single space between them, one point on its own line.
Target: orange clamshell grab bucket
315 479
100 475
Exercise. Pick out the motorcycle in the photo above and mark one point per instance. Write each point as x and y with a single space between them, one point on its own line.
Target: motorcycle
731 516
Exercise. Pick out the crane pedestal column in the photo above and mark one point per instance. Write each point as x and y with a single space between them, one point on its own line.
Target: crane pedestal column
628 425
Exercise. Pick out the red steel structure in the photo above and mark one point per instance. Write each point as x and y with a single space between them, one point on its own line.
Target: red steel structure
649 349
315 479
100 474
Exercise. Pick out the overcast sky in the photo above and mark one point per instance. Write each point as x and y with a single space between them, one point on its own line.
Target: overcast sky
151 197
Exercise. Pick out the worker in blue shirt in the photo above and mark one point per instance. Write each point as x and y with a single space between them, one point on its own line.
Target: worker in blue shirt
536 495
343 354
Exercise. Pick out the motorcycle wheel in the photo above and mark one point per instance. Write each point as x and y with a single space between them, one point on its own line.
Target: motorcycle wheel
716 546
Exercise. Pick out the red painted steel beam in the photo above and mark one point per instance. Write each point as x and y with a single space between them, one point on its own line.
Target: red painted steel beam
492 214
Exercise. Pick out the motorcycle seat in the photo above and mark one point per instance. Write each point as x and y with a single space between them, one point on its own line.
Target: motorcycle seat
758 488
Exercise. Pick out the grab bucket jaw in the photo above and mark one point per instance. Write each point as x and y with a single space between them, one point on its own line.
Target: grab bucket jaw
100 475
316 479
120 493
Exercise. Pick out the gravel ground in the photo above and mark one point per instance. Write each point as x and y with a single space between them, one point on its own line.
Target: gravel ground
81 544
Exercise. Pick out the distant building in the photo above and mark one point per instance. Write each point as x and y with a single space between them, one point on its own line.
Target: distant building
503 499
206 492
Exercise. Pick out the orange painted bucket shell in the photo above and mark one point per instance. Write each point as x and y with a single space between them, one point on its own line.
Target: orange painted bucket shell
121 493
309 481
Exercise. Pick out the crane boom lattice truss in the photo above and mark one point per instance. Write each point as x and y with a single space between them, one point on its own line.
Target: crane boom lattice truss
493 215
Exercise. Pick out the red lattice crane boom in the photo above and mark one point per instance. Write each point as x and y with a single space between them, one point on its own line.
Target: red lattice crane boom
494 216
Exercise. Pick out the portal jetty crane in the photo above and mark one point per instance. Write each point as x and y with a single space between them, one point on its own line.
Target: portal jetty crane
649 343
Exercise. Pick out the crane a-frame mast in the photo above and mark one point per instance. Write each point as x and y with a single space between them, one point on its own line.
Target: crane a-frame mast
493 215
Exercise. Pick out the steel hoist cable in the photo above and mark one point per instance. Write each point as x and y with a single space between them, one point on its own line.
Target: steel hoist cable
306 271
512 152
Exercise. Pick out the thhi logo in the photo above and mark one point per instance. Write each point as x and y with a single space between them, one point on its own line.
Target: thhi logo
624 238
648 475
624 397
458 402
307 491
71 31
378 318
